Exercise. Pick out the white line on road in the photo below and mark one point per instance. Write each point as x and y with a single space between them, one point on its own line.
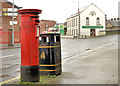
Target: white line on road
8 56
66 59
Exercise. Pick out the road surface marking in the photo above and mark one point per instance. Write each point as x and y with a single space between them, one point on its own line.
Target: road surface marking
63 59
9 80
8 56
87 51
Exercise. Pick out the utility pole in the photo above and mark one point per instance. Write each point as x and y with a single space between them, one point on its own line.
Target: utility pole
13 24
78 21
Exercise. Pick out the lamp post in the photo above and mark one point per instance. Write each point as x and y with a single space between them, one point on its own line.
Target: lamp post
78 20
13 24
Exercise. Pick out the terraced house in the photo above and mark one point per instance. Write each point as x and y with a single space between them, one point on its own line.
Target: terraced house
90 21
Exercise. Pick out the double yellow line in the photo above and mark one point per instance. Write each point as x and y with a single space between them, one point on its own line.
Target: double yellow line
39 70
9 80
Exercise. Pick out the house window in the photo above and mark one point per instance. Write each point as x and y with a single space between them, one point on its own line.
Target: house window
68 23
98 21
72 22
74 31
76 21
87 21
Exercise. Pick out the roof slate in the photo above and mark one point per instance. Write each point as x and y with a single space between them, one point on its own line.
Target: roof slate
114 23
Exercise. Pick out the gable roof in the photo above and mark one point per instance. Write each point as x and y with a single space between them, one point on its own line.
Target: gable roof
84 8
114 23
11 3
109 25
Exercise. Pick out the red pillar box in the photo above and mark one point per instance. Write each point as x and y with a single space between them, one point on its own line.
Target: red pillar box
30 32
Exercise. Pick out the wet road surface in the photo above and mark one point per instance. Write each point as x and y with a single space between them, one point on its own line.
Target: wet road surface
71 47
11 57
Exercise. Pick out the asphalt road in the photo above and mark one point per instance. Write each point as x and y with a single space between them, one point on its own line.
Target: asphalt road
11 57
71 47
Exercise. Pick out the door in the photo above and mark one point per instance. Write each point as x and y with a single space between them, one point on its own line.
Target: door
92 32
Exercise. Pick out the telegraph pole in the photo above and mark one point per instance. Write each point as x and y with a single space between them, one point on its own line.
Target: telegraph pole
13 23
78 21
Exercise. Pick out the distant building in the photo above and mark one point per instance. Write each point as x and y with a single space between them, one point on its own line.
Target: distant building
46 24
92 20
6 21
61 28
65 28
113 24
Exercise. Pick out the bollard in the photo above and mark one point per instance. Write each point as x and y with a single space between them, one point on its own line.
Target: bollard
50 54
30 32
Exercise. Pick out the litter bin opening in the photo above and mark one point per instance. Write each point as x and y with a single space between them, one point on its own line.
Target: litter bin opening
44 39
57 38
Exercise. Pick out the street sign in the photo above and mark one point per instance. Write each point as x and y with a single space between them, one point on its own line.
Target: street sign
61 29
9 14
92 26
9 11
61 26
15 22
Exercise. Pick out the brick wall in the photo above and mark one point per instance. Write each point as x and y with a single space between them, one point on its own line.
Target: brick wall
6 25
43 24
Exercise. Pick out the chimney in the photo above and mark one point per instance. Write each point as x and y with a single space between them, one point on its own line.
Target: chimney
111 19
114 19
118 19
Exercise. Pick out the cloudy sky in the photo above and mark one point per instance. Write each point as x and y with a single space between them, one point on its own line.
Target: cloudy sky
60 10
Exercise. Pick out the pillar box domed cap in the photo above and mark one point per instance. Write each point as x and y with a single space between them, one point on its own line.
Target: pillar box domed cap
38 11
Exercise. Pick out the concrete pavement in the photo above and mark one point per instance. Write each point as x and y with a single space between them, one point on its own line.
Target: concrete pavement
97 66
5 46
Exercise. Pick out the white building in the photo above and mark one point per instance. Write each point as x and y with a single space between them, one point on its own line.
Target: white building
91 21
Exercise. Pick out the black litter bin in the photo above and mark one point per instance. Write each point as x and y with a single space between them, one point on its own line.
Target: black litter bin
50 54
